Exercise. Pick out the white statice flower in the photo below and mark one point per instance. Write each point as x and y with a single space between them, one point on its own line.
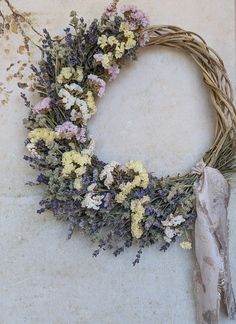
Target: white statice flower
173 220
92 187
92 201
90 149
32 149
74 87
177 220
74 115
106 173
67 99
84 110
169 234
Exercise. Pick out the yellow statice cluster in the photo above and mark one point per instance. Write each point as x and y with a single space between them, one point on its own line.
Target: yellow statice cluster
140 180
186 245
129 34
74 162
42 134
103 41
68 73
112 40
137 209
130 43
120 47
91 102
119 50
107 60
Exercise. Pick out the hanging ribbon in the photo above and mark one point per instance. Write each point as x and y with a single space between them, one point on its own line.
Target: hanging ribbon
212 277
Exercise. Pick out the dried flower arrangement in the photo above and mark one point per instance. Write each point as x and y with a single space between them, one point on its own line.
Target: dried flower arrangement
115 205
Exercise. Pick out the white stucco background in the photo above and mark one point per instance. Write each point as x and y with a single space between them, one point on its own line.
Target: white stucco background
158 111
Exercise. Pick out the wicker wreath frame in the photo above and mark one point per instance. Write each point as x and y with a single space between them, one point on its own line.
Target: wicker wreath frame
221 154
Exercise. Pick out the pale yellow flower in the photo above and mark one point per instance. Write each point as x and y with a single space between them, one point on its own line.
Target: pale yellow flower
138 210
128 33
140 180
78 183
68 73
130 43
91 102
65 74
112 40
120 198
73 161
186 245
102 41
44 134
119 50
79 74
107 60
123 27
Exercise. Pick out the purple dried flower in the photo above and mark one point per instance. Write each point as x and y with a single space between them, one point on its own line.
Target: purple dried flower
27 102
99 83
81 136
135 17
144 39
107 199
157 224
95 175
86 179
42 105
42 179
140 17
111 10
98 57
131 25
139 193
148 224
67 128
47 41
151 211
114 70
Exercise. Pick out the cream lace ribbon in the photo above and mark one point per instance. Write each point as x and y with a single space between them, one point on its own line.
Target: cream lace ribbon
212 279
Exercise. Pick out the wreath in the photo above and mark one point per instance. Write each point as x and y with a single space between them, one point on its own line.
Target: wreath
116 205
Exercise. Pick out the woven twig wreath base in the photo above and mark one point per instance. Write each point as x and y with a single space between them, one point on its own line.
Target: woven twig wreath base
221 155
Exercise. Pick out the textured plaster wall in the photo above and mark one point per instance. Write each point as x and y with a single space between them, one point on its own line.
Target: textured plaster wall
158 111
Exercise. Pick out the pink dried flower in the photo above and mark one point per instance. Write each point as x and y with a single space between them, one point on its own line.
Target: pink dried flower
140 17
81 136
111 10
42 105
99 83
67 128
98 57
144 39
114 70
131 25
135 17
